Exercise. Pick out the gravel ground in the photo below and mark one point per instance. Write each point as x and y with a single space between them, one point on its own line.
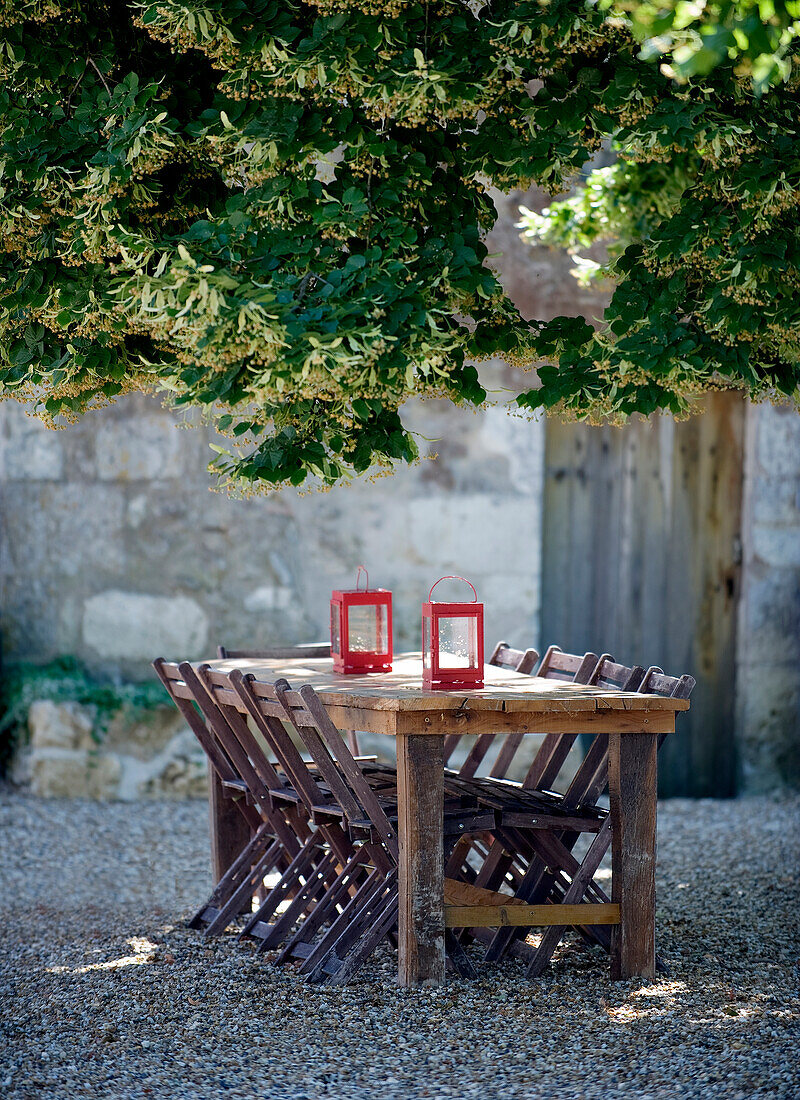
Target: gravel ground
103 993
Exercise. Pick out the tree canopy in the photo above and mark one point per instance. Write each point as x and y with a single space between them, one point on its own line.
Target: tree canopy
276 211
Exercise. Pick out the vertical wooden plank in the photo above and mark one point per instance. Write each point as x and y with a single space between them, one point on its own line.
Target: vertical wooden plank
632 795
703 584
420 791
559 533
640 558
229 830
605 465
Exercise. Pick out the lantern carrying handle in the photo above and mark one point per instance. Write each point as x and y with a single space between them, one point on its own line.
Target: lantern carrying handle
362 569
453 577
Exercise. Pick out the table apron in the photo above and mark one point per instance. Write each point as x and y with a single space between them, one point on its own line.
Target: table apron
527 722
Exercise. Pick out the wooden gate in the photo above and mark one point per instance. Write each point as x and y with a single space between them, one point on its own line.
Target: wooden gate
641 558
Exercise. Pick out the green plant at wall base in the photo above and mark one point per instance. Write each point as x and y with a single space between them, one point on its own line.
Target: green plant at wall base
66 680
276 211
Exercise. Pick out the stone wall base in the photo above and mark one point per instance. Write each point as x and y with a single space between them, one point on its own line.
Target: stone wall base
67 756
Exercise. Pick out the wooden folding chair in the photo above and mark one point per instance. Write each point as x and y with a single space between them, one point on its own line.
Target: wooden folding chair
503 656
555 748
272 842
552 867
558 665
296 796
520 660
499 866
554 874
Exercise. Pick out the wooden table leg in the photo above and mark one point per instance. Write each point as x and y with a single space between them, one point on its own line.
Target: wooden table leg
633 794
229 830
420 790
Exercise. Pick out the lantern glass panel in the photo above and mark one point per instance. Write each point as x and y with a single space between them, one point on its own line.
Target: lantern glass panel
367 628
336 645
426 642
458 641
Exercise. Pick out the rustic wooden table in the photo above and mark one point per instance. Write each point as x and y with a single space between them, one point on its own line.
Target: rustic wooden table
395 704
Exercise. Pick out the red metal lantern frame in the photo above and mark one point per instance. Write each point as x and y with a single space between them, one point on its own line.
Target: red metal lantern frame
352 662
434 677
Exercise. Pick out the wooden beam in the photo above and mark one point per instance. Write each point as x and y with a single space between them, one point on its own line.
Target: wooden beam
443 722
530 916
464 893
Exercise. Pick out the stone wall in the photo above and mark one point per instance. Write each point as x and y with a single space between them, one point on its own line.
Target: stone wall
768 680
114 549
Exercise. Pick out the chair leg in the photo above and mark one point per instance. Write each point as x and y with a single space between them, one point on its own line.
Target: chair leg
305 901
370 928
581 880
246 890
458 956
292 880
238 872
337 896
346 927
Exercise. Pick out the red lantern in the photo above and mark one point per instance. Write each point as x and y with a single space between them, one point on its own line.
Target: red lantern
452 642
361 628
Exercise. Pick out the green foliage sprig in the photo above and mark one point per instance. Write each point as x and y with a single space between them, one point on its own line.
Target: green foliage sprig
758 35
276 211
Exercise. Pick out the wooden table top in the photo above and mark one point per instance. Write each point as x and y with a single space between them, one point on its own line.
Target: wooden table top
401 689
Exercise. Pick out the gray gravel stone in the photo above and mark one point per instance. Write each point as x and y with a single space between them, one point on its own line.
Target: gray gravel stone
103 993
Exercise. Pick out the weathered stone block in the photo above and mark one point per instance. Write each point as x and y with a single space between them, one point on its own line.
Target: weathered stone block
778 440
771 620
461 532
768 723
778 546
74 773
144 735
178 771
60 725
28 449
130 625
150 449
182 777
268 597
777 500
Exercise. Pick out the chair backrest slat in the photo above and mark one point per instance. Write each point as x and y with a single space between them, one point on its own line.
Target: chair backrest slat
558 665
555 748
310 736
170 676
256 785
503 656
226 703
305 651
608 674
520 660
591 777
655 682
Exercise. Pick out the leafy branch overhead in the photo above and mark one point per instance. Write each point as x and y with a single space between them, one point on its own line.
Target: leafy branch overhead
276 211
